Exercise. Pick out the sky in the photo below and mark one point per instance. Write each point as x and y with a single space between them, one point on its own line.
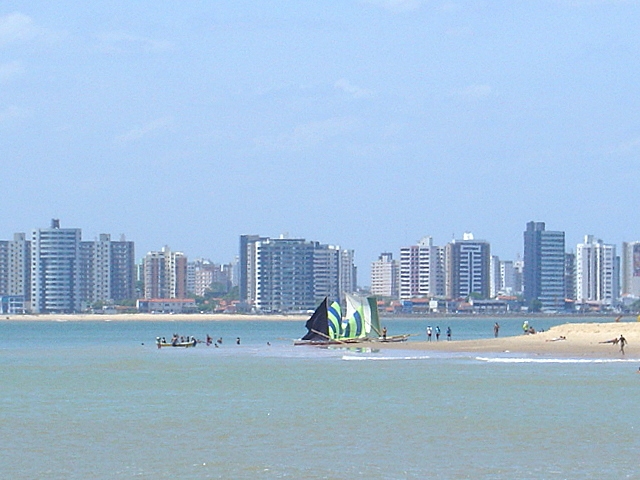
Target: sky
367 124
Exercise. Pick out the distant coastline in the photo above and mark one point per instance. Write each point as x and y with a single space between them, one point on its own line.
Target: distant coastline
150 317
226 317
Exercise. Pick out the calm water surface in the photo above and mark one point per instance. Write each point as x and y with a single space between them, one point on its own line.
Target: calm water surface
98 400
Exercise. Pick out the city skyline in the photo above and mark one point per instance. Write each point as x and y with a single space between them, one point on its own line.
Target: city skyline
188 125
363 265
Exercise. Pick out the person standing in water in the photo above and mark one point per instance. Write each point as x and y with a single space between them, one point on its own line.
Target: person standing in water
448 333
496 329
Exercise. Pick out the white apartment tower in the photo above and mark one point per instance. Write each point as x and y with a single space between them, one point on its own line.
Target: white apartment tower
384 276
55 264
596 272
421 270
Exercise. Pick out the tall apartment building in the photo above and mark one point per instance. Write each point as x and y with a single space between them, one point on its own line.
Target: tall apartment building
467 264
122 270
495 277
107 270
55 269
165 274
4 267
597 277
570 276
281 275
206 274
518 272
630 269
544 266
385 276
422 270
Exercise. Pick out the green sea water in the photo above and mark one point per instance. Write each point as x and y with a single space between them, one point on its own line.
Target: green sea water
99 400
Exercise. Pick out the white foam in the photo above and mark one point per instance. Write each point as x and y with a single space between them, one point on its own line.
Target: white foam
554 360
350 358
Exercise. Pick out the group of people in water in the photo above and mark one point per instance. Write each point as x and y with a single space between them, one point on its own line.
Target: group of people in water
190 341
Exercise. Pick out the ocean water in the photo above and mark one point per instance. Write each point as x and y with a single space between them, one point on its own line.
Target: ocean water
99 400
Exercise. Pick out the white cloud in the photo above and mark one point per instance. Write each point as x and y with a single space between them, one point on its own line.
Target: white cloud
474 92
396 5
115 42
309 134
10 70
144 130
352 90
18 27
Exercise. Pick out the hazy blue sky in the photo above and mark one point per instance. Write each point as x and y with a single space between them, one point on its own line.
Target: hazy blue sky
363 123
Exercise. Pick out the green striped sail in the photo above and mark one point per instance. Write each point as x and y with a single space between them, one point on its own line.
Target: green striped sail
334 316
354 326
366 309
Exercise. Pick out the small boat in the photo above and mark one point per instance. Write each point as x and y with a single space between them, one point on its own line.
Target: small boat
191 343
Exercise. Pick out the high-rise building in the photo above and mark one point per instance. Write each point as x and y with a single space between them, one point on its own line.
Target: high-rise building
107 270
422 270
55 268
165 274
207 274
4 267
544 267
20 266
495 277
570 276
630 266
123 270
596 272
467 264
385 276
283 274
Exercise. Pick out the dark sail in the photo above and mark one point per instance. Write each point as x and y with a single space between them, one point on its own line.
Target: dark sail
318 324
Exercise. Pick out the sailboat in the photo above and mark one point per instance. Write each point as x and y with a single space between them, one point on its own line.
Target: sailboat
324 327
327 326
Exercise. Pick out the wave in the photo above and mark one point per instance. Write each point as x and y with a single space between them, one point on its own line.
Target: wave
352 358
555 360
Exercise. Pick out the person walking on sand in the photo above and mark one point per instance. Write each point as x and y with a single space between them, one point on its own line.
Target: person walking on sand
448 333
496 329
623 342
437 333
429 332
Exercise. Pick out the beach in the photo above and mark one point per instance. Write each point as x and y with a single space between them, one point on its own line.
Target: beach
151 317
570 339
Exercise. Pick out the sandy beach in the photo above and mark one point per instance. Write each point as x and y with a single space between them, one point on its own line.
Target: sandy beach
152 317
570 340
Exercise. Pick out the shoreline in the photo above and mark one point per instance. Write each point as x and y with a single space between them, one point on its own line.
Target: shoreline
151 317
225 317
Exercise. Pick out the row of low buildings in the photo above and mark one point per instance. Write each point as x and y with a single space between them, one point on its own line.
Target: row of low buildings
547 277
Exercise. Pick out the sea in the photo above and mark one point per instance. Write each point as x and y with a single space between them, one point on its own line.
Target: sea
99 400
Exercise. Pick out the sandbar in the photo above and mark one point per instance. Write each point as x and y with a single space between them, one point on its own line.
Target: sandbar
567 340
